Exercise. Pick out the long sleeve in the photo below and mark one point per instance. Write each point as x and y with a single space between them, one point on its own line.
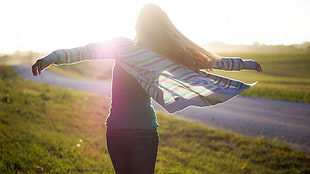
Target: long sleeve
95 51
233 63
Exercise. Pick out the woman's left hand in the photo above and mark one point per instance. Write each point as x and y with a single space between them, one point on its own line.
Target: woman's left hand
38 67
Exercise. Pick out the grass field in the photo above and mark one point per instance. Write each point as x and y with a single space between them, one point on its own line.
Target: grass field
47 129
286 76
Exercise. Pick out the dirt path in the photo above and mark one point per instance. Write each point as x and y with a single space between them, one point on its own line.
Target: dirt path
288 122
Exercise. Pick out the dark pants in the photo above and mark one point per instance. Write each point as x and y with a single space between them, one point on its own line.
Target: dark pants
133 151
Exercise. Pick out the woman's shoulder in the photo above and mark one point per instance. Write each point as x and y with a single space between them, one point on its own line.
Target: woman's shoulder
125 45
121 41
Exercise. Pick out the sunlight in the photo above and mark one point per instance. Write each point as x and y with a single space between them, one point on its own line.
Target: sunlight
84 22
52 24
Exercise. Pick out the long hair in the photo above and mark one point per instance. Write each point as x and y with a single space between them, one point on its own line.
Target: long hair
155 31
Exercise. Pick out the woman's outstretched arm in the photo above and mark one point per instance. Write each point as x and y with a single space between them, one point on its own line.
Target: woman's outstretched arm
236 64
95 51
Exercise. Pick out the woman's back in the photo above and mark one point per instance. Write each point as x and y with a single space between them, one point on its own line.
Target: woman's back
131 106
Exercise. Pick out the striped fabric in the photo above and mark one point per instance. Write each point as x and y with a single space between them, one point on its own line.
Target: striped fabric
172 85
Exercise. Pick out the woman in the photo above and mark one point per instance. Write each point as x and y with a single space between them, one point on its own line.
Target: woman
160 63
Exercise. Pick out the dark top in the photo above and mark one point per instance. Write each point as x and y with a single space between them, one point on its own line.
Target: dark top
131 106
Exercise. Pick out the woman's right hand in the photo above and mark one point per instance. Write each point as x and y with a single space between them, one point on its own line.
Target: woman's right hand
38 67
258 67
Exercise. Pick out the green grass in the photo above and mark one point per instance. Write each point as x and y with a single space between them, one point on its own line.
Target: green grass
286 76
42 125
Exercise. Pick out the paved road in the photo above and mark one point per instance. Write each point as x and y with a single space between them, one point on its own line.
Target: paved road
288 122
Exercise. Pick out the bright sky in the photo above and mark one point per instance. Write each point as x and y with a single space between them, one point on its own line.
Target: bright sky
46 25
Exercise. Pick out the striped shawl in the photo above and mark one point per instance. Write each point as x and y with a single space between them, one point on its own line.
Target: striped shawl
171 85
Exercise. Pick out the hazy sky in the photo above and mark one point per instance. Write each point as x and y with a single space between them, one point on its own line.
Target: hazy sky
46 25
